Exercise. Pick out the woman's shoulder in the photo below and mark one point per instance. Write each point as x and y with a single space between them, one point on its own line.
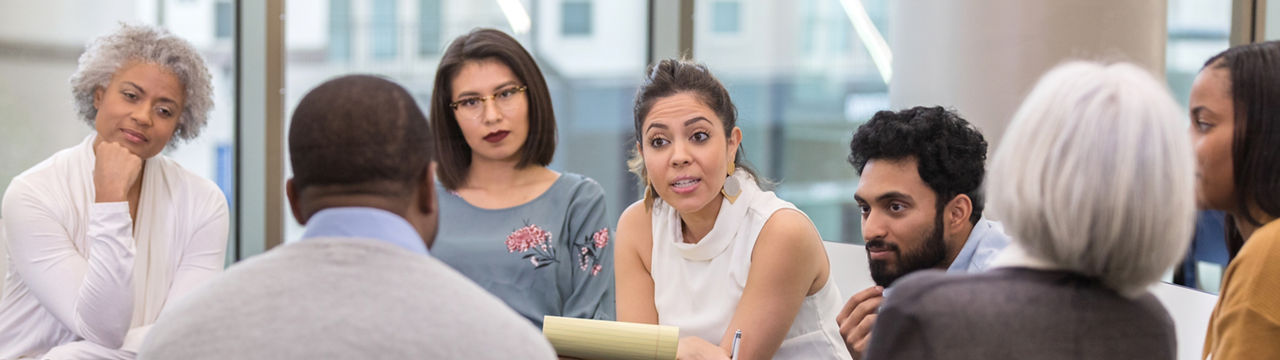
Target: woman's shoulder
1253 268
1267 239
791 244
56 165
935 288
635 214
1261 252
788 230
44 178
1010 288
935 294
923 284
789 219
997 302
766 205
579 185
575 192
635 221
44 173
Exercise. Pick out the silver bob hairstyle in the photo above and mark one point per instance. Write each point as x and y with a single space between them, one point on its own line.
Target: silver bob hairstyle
1095 175
104 56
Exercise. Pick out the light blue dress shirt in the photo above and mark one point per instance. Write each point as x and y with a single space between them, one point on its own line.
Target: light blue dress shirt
367 223
986 240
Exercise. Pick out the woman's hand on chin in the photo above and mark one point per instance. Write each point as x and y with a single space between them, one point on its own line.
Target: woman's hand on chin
115 171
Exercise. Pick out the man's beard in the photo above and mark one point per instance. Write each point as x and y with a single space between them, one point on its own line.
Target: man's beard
930 254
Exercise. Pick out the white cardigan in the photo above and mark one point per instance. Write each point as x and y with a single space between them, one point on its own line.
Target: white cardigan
78 278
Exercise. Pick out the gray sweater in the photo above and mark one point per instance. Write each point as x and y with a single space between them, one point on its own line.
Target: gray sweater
1017 313
342 298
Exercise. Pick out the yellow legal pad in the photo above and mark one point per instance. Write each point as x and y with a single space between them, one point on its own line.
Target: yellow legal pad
610 340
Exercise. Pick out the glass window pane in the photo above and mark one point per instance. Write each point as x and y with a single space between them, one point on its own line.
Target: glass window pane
225 20
430 41
803 81
339 48
576 18
1197 31
383 30
724 17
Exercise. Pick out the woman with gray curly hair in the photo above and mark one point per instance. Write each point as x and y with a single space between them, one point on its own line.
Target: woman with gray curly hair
103 235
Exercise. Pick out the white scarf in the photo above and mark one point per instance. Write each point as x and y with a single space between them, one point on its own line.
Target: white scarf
153 265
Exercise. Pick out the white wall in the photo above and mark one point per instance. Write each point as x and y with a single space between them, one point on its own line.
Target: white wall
981 57
64 22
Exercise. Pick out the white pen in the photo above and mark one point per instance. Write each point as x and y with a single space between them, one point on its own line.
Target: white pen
737 336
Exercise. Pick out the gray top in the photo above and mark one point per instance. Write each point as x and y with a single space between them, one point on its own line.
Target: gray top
1018 313
342 298
549 256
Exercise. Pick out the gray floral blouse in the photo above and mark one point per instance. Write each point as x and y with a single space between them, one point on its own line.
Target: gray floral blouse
550 256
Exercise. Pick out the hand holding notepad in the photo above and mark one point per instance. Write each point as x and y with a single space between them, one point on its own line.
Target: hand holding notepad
603 340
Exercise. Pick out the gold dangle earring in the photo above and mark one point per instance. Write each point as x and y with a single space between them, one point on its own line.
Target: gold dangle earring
731 188
649 194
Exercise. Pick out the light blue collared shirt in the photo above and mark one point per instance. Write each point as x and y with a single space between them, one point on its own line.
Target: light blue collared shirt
367 223
986 240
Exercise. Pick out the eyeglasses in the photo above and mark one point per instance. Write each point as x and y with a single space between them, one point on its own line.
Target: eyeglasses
472 107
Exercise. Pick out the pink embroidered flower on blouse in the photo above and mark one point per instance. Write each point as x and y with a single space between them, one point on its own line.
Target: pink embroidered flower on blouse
528 237
531 240
601 238
590 246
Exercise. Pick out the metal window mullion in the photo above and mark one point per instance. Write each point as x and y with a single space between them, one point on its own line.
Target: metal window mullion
259 126
1248 21
670 29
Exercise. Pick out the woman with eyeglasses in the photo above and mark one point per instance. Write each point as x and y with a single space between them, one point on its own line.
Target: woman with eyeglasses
534 237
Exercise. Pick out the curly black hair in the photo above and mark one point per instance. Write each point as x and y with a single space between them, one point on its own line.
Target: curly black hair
949 151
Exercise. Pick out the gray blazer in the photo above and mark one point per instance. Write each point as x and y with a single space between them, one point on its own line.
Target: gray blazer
1017 313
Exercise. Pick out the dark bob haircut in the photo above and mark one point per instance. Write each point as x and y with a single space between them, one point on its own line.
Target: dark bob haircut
453 153
950 153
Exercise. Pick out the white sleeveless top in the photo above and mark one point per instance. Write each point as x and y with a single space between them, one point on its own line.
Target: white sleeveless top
696 287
